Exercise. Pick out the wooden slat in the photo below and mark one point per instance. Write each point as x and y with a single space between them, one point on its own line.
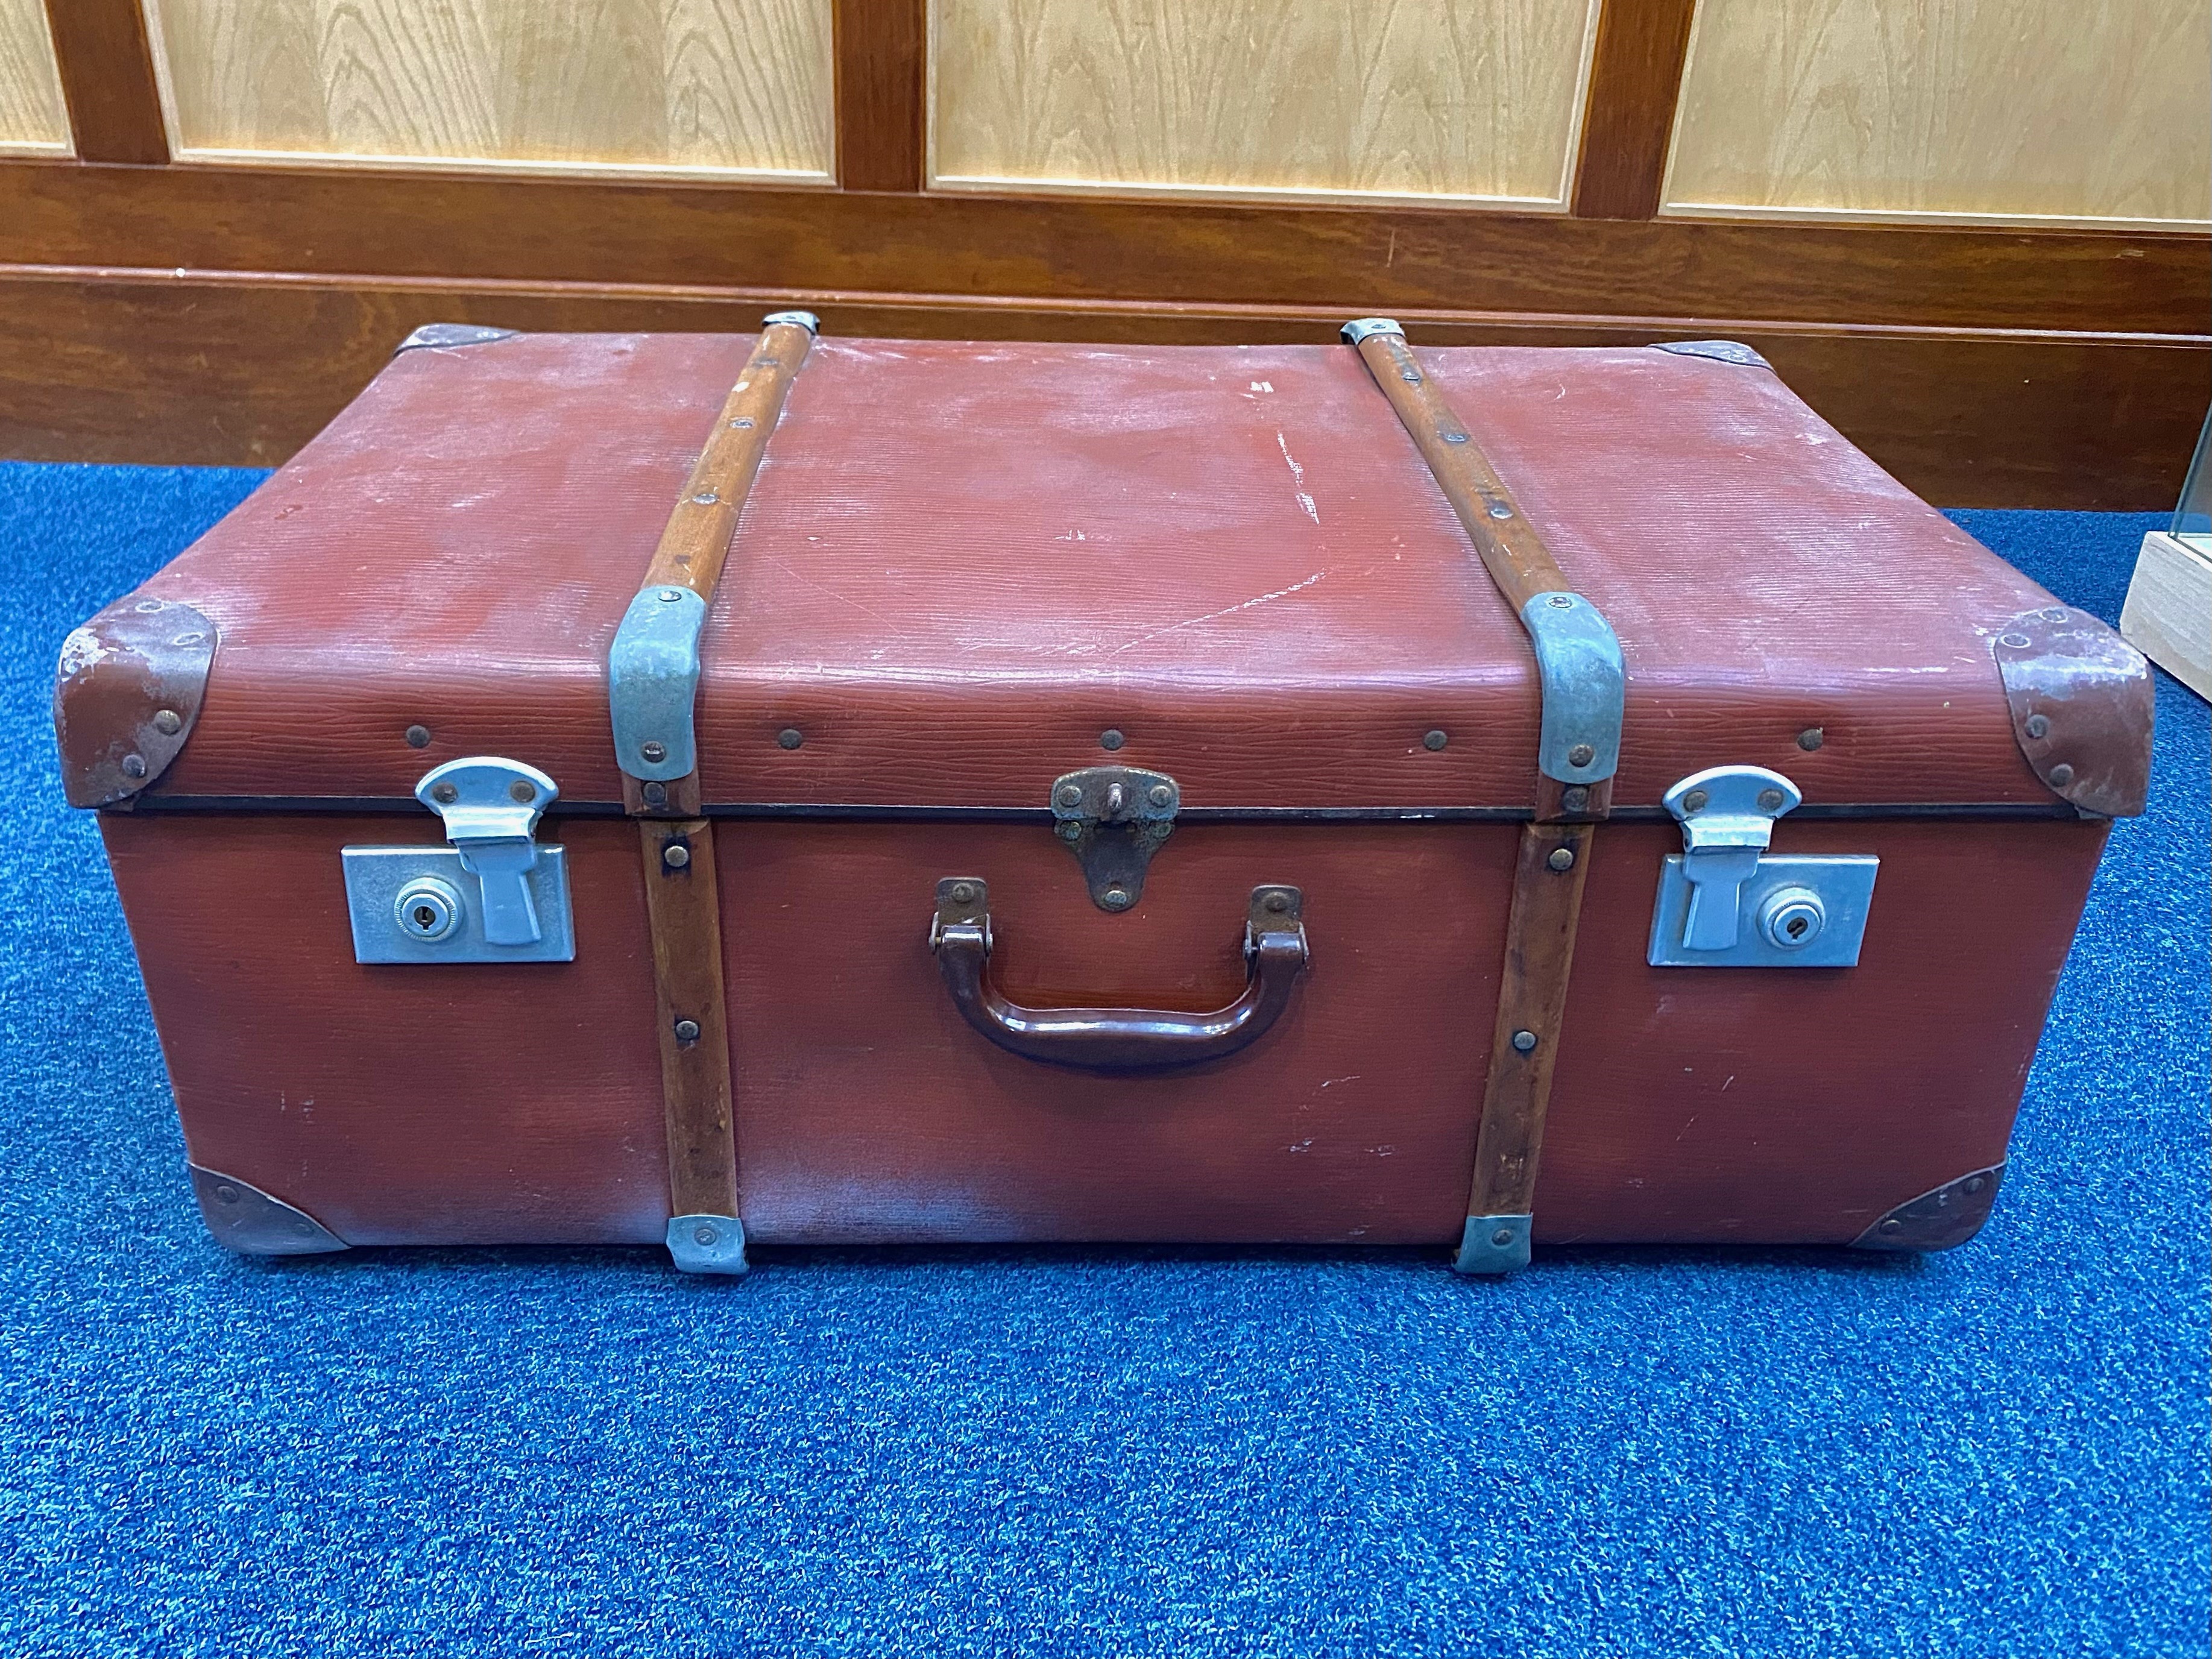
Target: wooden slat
107 80
241 368
1354 260
1636 75
685 911
882 94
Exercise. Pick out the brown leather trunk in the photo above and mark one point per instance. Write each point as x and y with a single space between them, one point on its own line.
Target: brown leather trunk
963 572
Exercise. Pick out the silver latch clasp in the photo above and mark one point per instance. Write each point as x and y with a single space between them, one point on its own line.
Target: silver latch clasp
1727 815
490 807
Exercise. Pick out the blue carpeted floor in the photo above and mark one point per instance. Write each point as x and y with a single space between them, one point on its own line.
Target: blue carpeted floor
1997 1452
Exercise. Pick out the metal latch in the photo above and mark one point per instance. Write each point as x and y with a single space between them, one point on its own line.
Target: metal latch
1114 818
495 894
1726 902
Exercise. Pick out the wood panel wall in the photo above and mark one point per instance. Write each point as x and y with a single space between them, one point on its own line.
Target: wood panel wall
2065 112
34 120
1464 99
266 195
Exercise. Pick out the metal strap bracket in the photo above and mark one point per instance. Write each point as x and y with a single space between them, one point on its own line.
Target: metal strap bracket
653 683
1584 687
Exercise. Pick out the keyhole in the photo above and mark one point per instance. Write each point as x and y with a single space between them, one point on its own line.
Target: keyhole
426 918
1797 926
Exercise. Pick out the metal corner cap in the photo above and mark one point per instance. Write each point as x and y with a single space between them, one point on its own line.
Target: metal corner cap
1941 1220
708 1244
245 1218
1721 351
1585 686
450 334
806 319
653 678
128 689
1493 1244
1359 328
2083 704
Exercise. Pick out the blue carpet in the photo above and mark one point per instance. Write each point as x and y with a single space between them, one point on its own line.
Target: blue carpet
1158 1452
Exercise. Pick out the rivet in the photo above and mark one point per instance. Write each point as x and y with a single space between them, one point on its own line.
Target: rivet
963 892
226 1194
2017 642
1499 510
1560 602
2038 726
1580 754
1525 1041
655 794
743 423
1278 902
670 595
1117 898
1071 795
1436 739
523 791
1811 738
1976 1183
705 498
1502 1237
189 639
1695 801
687 1030
1111 738
1161 795
1562 858
444 794
166 722
418 737
2058 613
1573 800
1071 832
147 607
1412 377
705 1235
790 738
1770 799
1892 1224
676 855
1454 437
2061 775
653 750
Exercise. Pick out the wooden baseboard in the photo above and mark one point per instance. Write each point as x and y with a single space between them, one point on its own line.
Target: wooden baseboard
2168 615
241 368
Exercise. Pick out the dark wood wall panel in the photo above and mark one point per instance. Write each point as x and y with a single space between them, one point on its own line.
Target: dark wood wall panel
1636 75
883 73
242 369
107 80
1356 259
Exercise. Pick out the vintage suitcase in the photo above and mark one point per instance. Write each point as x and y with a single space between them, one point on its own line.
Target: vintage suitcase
1000 791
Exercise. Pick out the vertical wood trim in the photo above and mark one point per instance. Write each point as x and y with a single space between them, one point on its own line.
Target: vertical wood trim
107 80
1636 76
882 98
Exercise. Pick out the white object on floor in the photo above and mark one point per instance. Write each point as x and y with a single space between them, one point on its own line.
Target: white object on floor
2168 615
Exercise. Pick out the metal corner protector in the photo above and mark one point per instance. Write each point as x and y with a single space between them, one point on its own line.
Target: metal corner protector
2082 703
128 689
437 337
246 1219
1721 351
1940 1220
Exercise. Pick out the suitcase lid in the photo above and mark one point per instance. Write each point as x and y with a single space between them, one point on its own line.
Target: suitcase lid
965 569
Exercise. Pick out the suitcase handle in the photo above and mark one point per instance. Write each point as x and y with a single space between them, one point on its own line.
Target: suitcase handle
1118 1039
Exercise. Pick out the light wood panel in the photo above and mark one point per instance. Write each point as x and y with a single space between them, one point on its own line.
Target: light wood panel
1456 100
1995 111
684 87
34 121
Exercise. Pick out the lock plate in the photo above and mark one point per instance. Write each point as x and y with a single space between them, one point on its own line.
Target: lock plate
1114 818
375 877
1825 895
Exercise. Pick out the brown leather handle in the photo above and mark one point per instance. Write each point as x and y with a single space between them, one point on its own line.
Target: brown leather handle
1117 1039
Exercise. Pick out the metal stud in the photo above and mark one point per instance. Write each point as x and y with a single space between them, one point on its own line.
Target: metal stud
1161 795
444 794
1502 1237
687 1030
167 722
676 855
705 498
790 738
134 766
1435 740
1525 1041
653 750
2061 775
1695 801
1770 799
1111 738
2038 726
418 737
1562 858
1580 754
1575 799
1117 898
656 795
963 892
523 791
1811 738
